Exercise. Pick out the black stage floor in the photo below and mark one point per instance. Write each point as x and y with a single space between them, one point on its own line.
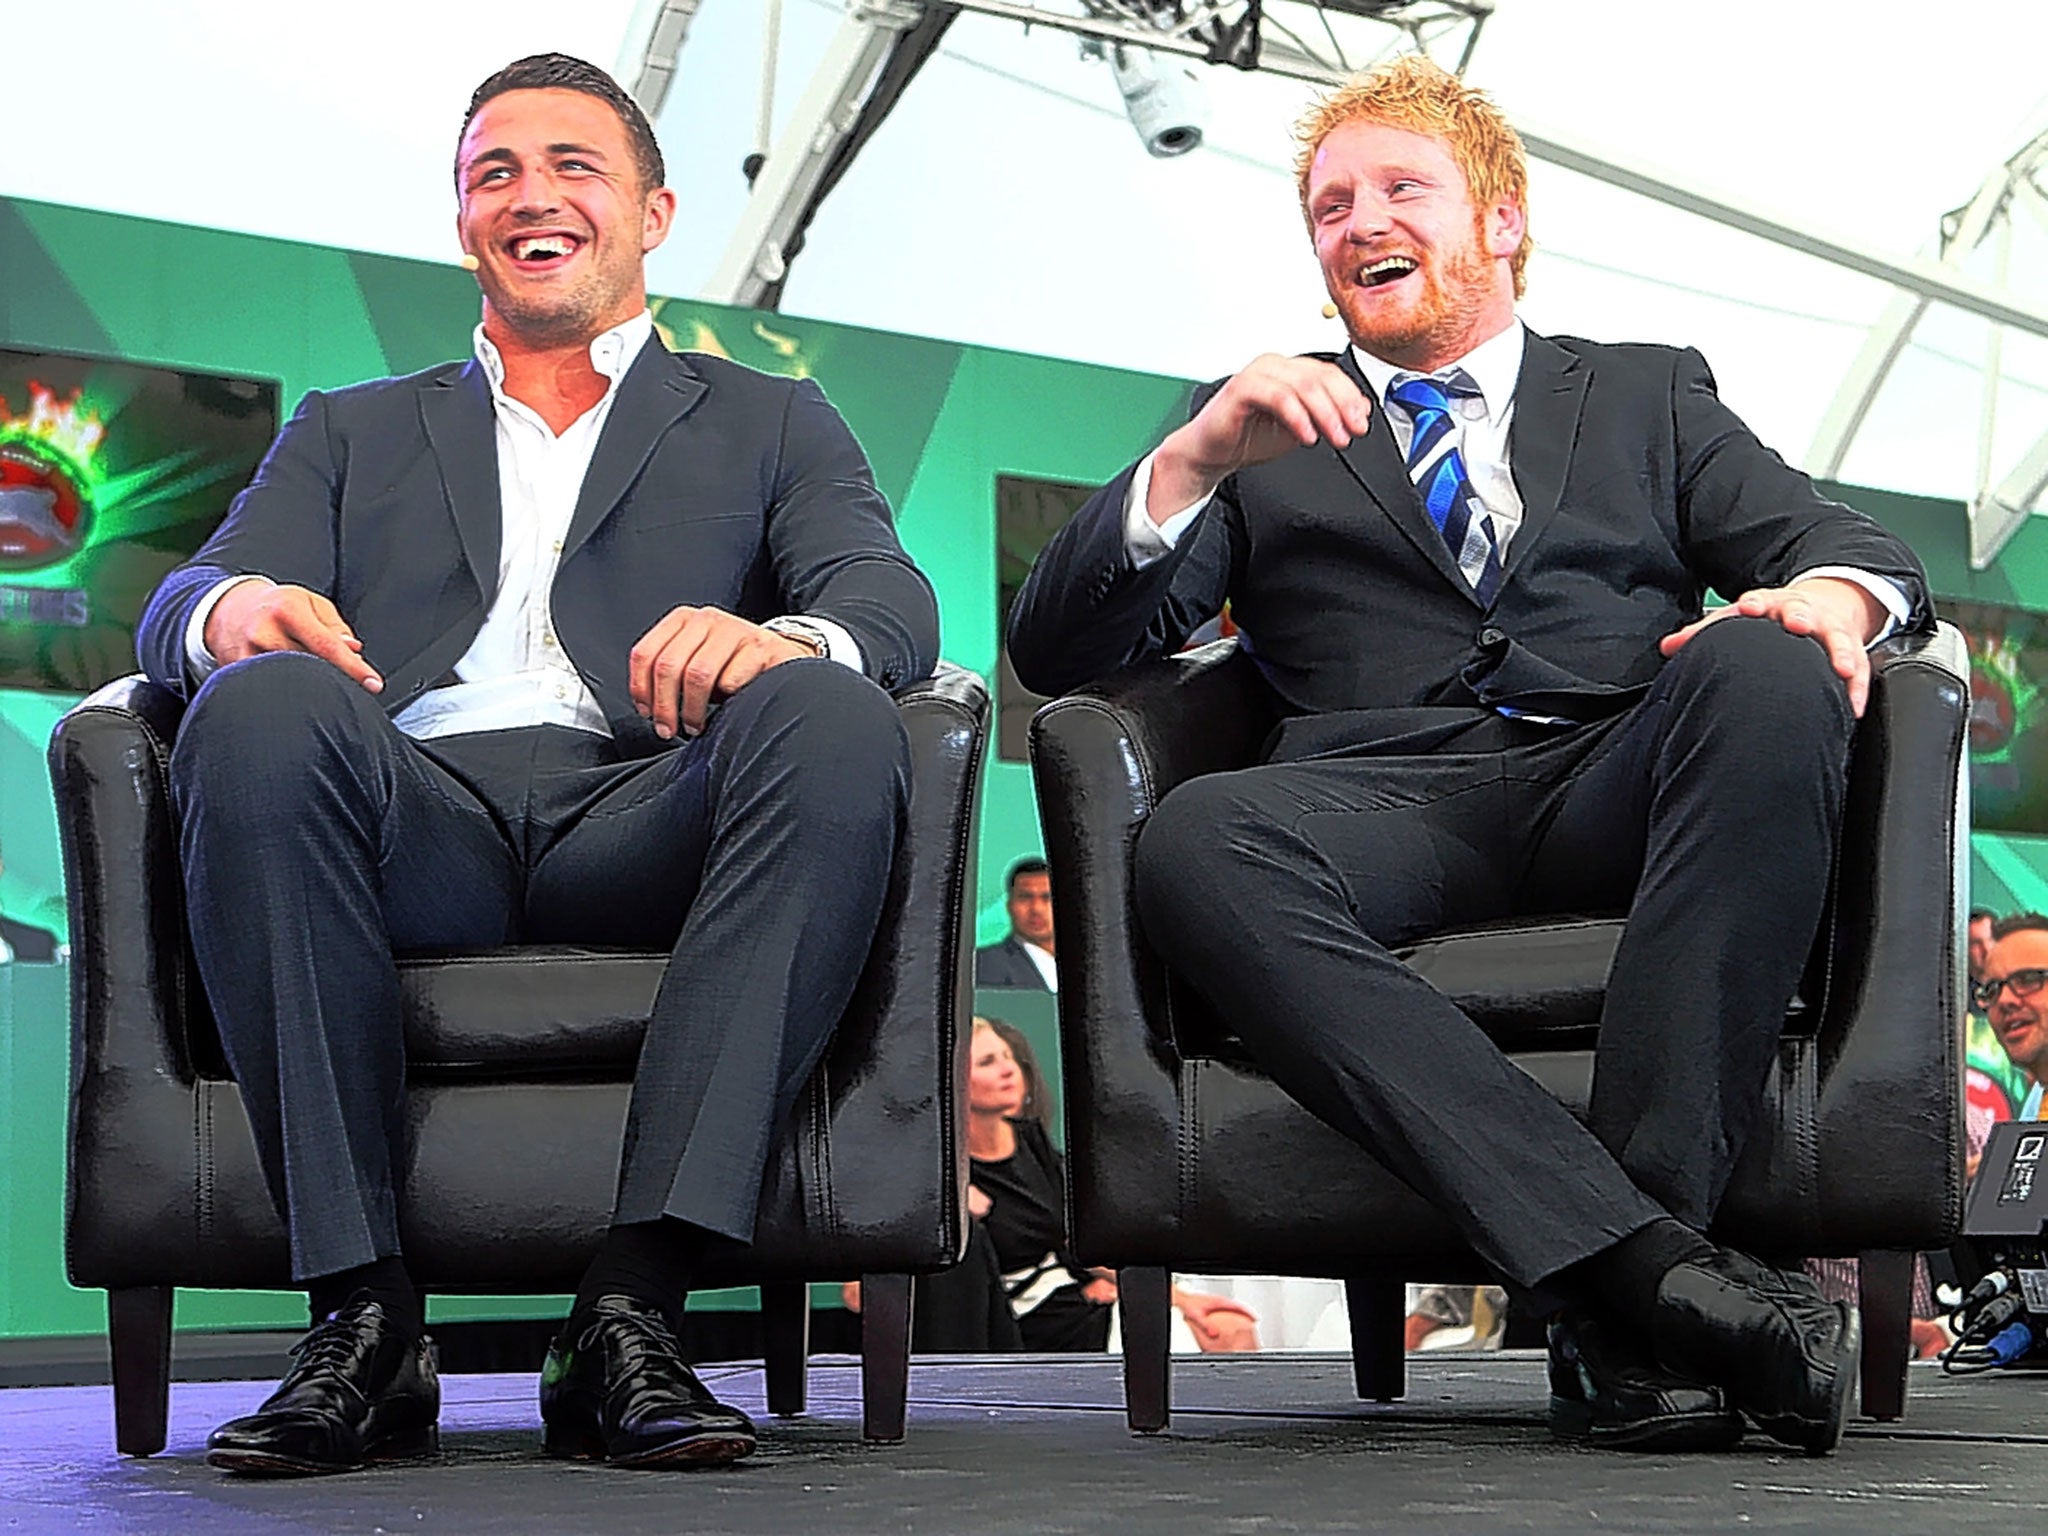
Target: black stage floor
1260 1445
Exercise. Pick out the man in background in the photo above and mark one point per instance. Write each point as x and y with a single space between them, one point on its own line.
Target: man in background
1024 958
26 943
2010 993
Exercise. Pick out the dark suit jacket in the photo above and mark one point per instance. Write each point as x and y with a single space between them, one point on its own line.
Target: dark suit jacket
30 943
1640 491
1005 964
711 484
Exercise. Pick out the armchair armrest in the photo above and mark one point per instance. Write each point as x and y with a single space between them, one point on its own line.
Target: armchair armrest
109 761
1102 758
1891 1030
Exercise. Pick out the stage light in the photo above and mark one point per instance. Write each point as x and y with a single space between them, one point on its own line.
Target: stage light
1164 101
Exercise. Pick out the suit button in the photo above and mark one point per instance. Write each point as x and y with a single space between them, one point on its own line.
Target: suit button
1491 636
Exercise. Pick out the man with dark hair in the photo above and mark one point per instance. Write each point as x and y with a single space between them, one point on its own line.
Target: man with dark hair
557 71
576 641
1023 959
1471 561
1982 921
2009 993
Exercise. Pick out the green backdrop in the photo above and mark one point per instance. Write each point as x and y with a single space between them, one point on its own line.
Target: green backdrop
939 420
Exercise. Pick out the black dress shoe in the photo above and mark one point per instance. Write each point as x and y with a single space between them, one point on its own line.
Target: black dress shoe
1786 1355
1604 1393
359 1390
616 1388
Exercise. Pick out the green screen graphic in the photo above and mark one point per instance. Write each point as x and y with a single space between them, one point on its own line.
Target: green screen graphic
110 474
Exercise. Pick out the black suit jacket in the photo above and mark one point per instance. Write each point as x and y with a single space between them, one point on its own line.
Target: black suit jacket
1005 964
28 942
1640 491
711 484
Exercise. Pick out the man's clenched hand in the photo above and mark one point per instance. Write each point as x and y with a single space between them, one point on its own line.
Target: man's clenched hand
1275 405
693 657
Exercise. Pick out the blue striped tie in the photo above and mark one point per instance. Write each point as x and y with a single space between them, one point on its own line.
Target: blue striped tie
1438 470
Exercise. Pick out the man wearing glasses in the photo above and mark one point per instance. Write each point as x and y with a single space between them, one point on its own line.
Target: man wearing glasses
2011 995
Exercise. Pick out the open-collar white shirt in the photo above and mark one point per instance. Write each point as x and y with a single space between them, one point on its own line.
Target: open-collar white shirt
515 672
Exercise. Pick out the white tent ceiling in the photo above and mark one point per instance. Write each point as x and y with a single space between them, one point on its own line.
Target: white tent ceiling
1008 202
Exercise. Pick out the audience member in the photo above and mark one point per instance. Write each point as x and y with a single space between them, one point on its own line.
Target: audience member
2011 996
1993 1088
1024 957
1982 923
1016 1200
26 943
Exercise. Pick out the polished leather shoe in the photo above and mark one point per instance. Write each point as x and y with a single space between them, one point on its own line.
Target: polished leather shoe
1785 1354
616 1388
359 1390
1604 1393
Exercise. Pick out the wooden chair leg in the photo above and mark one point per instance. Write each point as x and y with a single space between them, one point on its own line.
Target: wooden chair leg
1885 1294
139 1341
1379 1347
885 1354
785 1343
1145 1300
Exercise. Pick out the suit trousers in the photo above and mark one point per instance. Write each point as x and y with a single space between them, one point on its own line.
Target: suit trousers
319 843
1708 812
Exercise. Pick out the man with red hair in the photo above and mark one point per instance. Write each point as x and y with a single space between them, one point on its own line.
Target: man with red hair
1471 563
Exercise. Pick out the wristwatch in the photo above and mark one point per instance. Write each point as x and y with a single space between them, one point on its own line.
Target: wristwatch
803 630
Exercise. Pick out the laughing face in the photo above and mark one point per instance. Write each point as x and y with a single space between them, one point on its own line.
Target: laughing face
553 210
2019 959
1419 273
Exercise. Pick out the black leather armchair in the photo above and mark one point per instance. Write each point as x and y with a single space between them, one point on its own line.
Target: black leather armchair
520 1066
1181 1154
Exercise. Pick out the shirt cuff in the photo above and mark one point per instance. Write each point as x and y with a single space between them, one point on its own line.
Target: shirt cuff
1897 609
840 646
200 663
1144 540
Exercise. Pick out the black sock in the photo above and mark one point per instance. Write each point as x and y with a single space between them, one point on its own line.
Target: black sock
649 1261
1626 1275
382 1280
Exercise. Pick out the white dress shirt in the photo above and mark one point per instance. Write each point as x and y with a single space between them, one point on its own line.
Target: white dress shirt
515 672
1482 423
1047 968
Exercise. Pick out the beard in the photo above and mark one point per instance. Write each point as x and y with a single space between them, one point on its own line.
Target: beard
1451 292
564 316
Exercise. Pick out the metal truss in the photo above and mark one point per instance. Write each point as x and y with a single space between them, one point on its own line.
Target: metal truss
1320 40
882 43
647 59
1997 507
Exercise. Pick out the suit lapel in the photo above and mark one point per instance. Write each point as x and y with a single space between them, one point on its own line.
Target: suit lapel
456 412
657 392
1549 397
1375 460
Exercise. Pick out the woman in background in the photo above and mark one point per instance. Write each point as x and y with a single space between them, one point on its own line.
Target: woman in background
1019 1288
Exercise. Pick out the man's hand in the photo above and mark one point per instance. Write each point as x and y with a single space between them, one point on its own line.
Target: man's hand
1220 1326
1838 614
1277 404
259 616
693 658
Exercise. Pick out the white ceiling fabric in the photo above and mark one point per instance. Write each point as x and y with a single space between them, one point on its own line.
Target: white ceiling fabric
1007 201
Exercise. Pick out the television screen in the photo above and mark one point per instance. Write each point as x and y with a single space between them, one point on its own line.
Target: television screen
2008 715
1029 511
110 474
